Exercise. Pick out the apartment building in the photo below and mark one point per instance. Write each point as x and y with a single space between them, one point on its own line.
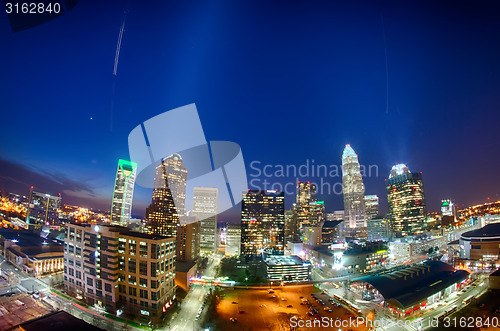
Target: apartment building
118 269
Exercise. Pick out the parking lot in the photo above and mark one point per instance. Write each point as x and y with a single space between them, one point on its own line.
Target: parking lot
261 309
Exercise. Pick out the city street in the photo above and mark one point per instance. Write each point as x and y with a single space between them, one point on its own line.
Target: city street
186 317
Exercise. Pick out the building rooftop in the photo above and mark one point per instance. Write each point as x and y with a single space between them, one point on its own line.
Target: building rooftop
27 240
372 247
495 273
184 266
488 232
331 224
58 321
277 260
413 284
126 231
323 250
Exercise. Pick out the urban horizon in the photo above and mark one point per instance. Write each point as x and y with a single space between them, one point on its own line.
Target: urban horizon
275 176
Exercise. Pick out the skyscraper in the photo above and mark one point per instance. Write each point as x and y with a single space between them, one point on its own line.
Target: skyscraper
188 238
233 240
405 195
371 206
121 205
307 211
353 190
306 192
262 222
42 207
292 233
169 193
176 175
205 205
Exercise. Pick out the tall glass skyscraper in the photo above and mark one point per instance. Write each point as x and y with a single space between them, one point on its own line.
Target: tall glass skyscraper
308 211
262 222
43 208
371 207
205 207
353 190
169 195
405 195
123 192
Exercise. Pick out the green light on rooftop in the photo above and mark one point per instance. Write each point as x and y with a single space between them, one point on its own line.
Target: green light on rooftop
127 167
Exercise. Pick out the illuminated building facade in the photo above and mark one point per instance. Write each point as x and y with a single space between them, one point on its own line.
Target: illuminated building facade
169 194
42 207
353 190
262 222
371 206
205 205
329 232
31 253
121 205
287 268
233 240
307 211
481 244
188 238
117 269
378 229
448 214
405 195
292 231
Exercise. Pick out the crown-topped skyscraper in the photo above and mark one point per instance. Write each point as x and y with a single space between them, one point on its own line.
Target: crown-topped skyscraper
169 196
353 190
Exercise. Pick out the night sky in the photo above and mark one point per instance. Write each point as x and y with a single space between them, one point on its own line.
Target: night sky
412 82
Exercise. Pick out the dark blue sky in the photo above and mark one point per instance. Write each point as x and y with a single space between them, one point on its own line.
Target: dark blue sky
286 80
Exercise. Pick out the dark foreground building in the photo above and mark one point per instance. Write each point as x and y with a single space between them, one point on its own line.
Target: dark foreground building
57 321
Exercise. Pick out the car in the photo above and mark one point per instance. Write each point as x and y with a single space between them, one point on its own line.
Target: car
235 303
262 306
331 300
273 296
301 298
270 291
232 319
323 293
328 309
322 303
283 299
289 306
303 303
